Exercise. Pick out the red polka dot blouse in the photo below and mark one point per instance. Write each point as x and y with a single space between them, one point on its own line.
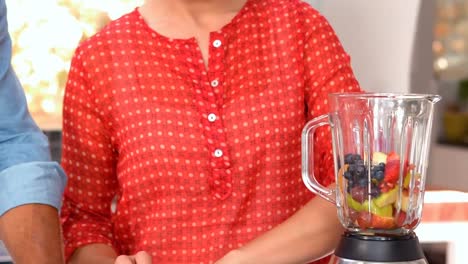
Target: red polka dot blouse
198 160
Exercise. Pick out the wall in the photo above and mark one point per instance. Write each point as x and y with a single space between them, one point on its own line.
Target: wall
381 38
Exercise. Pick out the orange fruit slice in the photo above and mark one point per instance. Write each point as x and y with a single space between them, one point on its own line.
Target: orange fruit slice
341 179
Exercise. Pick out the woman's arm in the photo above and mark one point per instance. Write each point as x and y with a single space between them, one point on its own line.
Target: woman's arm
89 159
93 254
311 233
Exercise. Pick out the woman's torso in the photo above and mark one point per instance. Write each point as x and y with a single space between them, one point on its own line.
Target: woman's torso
207 159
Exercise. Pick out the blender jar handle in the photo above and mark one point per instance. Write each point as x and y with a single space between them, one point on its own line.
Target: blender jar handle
308 159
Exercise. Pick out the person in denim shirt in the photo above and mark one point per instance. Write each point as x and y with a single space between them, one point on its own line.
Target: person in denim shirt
31 185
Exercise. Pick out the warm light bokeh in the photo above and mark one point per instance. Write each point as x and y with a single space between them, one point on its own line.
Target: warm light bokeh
45 34
450 38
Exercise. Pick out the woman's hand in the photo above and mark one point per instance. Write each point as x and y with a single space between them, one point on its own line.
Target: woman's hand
141 257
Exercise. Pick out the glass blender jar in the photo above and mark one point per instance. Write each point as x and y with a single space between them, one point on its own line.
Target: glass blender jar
380 149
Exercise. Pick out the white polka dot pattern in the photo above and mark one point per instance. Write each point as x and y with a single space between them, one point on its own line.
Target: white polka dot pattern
199 160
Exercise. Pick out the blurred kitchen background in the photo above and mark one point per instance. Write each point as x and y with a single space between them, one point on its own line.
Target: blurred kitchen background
401 46
396 46
45 34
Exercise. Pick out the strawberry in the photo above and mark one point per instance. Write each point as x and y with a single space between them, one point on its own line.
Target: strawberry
381 222
392 156
386 186
392 168
401 219
400 222
413 224
353 214
368 220
364 220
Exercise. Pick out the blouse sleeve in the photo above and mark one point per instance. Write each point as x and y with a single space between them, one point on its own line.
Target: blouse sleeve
327 70
88 159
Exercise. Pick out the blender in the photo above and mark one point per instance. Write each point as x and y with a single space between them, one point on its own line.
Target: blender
380 149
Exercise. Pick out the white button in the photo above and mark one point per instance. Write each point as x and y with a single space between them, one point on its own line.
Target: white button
211 117
214 83
217 43
218 153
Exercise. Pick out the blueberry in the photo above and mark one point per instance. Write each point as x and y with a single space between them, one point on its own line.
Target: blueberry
380 167
352 168
357 157
363 182
375 192
360 169
360 162
379 175
347 175
348 159
358 175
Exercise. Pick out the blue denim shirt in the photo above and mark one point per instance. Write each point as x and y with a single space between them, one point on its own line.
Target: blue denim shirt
27 174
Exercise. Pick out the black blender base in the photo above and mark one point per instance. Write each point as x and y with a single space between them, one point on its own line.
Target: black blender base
374 249
336 260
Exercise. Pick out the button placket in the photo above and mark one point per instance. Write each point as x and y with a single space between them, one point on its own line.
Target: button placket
211 94
206 84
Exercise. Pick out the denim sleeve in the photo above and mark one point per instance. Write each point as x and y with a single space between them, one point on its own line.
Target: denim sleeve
27 174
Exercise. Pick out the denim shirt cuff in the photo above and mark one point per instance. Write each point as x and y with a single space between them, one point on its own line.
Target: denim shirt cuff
31 183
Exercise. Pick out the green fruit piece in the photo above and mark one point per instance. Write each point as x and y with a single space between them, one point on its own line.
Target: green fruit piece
385 211
407 179
404 203
387 198
353 203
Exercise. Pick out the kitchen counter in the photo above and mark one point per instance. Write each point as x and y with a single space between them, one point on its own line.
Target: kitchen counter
445 220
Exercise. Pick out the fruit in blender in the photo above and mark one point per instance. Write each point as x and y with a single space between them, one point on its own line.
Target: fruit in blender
385 211
402 219
407 180
392 168
373 189
358 180
386 186
364 220
379 157
382 222
387 198
359 194
404 201
355 205
367 220
341 181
